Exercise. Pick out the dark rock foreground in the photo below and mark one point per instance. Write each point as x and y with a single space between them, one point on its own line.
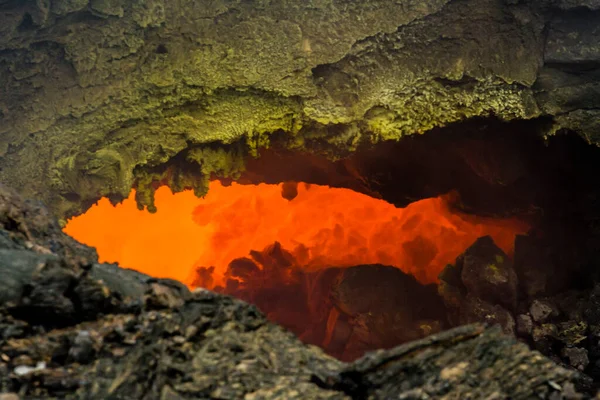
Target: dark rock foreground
73 328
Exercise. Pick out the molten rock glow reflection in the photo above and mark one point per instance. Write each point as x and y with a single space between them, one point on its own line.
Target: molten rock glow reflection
321 227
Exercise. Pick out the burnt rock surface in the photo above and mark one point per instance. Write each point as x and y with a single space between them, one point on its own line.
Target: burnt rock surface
466 362
75 329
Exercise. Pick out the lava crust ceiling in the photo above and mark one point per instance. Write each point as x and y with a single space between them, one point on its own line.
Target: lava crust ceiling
97 96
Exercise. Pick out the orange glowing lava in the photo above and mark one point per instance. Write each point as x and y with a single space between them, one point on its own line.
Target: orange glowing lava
321 227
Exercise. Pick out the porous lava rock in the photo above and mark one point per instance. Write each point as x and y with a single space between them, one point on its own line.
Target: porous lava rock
559 319
101 96
74 329
480 286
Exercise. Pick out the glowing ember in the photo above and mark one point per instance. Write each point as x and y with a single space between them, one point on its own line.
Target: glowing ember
320 226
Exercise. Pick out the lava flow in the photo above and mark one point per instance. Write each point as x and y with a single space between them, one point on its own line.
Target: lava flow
320 226
303 254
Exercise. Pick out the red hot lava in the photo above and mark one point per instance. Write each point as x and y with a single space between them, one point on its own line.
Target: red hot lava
321 226
319 231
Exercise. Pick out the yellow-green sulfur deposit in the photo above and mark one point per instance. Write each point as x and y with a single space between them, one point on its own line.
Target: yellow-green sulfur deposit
101 96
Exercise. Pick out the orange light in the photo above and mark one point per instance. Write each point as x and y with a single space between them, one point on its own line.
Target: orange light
321 226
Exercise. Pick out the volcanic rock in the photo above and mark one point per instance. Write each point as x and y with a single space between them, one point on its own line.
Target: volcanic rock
380 304
537 268
578 357
83 348
480 286
100 96
391 374
289 190
487 273
154 339
475 310
524 324
563 326
541 310
346 311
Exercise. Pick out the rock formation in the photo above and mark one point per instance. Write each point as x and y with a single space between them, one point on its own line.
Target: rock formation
99 96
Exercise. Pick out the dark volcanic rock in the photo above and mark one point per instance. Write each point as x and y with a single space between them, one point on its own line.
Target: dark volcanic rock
524 324
27 225
487 273
475 309
540 272
563 324
578 357
383 307
75 330
541 310
481 286
211 346
467 362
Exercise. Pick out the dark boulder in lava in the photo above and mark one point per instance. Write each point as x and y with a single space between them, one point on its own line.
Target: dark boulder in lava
383 307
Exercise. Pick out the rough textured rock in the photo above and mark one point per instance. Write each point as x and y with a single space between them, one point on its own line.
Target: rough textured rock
480 286
77 330
99 96
562 324
27 225
541 310
487 273
565 327
442 366
384 307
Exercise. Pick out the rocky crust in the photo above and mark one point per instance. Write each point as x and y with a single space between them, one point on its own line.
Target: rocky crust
100 96
73 328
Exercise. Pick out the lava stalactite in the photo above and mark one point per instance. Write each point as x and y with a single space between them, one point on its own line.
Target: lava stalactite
321 227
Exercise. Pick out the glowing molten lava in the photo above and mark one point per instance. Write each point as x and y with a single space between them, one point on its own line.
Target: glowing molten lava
301 253
320 226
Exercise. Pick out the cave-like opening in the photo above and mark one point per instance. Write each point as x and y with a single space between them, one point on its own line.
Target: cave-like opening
347 252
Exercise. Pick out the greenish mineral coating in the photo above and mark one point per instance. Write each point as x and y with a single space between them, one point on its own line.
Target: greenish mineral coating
101 96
